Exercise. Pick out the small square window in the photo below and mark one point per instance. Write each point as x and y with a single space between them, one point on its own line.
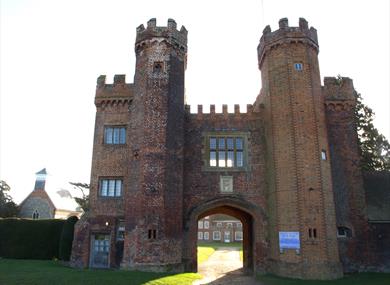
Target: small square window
158 67
110 187
298 66
200 235
115 135
206 235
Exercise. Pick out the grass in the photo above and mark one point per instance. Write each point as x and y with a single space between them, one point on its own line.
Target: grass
216 245
353 279
204 253
46 272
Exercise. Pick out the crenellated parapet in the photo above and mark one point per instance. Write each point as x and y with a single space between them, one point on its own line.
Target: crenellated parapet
170 34
339 93
225 113
119 93
285 35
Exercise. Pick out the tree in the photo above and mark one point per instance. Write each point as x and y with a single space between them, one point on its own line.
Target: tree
7 207
84 188
374 147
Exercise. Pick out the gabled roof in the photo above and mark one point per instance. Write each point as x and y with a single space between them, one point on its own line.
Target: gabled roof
43 171
59 194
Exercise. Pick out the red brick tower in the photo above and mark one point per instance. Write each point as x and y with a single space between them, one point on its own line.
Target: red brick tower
351 212
300 194
135 217
153 209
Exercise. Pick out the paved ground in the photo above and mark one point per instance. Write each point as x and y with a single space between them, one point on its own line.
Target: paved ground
224 267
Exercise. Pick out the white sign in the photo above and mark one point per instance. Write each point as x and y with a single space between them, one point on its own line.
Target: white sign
289 240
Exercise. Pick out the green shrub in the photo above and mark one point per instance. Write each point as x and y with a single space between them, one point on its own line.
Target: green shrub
30 239
67 238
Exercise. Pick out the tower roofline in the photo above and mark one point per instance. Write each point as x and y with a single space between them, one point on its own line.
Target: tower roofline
170 32
287 34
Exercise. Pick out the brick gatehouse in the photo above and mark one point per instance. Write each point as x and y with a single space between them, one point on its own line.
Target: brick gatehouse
287 167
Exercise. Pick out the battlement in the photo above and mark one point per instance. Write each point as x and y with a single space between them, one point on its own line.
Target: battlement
178 38
287 34
118 89
199 111
338 88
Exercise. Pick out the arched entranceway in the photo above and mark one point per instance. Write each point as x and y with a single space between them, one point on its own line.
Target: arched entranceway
251 217
247 225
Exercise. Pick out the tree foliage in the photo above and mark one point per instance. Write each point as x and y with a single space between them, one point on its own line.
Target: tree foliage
66 239
30 239
84 188
374 147
7 207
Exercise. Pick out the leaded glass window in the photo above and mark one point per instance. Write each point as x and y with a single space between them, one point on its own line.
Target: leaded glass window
226 151
114 135
111 187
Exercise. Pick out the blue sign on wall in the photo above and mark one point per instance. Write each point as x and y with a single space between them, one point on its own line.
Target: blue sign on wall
289 240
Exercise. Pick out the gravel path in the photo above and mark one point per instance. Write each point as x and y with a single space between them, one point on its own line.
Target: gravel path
224 267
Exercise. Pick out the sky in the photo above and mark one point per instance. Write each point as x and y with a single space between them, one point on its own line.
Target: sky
52 51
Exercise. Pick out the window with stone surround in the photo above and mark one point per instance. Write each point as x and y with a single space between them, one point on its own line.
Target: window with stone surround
206 235
114 135
216 235
225 150
109 187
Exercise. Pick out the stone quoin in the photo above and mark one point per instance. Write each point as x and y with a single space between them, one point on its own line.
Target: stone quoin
287 168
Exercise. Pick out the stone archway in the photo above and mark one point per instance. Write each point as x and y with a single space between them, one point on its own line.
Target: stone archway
251 217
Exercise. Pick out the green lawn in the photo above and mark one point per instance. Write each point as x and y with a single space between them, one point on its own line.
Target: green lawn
353 279
204 253
215 245
46 272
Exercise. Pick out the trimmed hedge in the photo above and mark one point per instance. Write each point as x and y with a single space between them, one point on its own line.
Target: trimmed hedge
67 238
30 239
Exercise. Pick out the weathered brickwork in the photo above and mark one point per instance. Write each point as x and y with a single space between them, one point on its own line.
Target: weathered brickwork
279 172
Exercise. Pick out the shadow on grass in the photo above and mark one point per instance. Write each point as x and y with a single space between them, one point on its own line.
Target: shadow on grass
351 279
45 272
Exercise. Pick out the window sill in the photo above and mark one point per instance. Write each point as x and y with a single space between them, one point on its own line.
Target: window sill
224 169
110 197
